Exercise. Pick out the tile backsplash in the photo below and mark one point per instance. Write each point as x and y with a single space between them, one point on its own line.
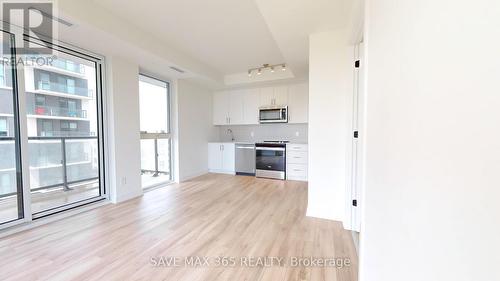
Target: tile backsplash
256 133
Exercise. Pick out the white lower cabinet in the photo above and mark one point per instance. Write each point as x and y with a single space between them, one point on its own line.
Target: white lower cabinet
296 162
221 158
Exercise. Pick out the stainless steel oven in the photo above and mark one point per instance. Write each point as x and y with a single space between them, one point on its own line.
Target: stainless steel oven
270 160
273 114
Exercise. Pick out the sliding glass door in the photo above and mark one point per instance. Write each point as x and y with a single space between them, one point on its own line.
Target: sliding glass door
11 199
156 142
52 118
63 112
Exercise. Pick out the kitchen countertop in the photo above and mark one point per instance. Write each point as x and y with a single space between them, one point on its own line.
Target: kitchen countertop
254 142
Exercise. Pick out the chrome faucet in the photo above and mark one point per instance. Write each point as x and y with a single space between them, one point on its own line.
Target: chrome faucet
229 131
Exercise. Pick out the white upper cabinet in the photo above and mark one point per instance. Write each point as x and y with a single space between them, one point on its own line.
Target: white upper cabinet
281 95
251 103
267 96
298 103
271 96
241 107
236 106
221 108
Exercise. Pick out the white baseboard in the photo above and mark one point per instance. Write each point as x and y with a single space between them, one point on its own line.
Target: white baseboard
222 172
193 175
128 196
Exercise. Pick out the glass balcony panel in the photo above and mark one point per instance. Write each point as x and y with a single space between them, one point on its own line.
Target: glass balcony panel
164 156
56 180
82 159
46 168
148 155
64 88
57 111
68 65
7 167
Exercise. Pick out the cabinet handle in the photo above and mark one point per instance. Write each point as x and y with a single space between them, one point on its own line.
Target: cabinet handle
222 147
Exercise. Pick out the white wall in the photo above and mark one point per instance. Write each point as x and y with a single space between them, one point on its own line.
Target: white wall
124 138
330 99
433 145
195 129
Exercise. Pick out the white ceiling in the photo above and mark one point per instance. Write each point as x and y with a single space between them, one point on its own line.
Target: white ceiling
292 21
233 35
229 35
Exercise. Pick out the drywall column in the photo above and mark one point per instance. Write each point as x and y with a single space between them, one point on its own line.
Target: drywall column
433 141
195 129
330 99
123 130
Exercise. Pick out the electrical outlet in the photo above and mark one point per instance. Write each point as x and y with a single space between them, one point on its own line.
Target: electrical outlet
297 134
252 134
124 180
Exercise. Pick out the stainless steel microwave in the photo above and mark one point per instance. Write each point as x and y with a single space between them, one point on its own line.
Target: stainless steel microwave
273 114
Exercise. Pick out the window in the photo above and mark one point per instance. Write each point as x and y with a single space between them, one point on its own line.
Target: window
154 105
3 127
69 126
39 100
45 81
2 75
47 130
70 84
156 144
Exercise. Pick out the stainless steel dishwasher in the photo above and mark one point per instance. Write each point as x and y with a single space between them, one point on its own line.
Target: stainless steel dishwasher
245 159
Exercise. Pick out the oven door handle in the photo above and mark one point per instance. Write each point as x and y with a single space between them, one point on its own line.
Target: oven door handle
271 148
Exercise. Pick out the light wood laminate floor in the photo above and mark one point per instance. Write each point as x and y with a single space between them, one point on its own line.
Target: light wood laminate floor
211 216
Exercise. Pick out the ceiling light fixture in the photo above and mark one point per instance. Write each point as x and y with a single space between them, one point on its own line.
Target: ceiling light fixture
266 66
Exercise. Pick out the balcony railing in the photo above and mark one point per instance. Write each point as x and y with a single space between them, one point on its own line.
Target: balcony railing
155 155
69 66
63 88
57 111
54 162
